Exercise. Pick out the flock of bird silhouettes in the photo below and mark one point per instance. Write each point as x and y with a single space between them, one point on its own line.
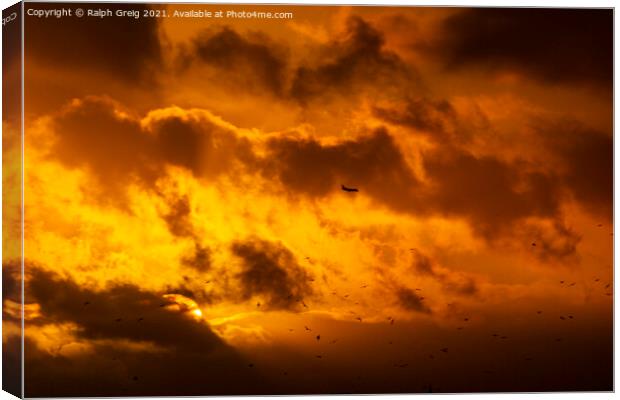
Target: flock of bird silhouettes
391 320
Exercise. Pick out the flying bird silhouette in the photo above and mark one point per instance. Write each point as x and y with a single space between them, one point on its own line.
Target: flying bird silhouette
348 189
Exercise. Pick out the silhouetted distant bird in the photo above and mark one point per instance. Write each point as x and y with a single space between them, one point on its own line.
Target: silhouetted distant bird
572 284
304 304
562 318
570 317
561 282
363 286
495 335
596 280
140 319
334 341
599 225
465 319
392 321
504 337
291 330
135 378
86 303
308 329
445 350
534 244
319 356
318 337
538 312
418 289
118 319
257 304
250 365
359 319
459 328
528 359
347 189
607 286
207 281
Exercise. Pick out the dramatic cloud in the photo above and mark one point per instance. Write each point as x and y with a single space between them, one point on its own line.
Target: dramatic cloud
119 312
177 218
352 63
141 150
587 162
491 193
451 282
410 301
187 231
374 163
537 42
118 47
270 270
200 260
243 60
431 117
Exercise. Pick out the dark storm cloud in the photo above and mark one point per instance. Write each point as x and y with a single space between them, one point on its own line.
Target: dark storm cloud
550 45
125 48
245 59
11 283
271 270
200 260
422 264
357 60
189 359
96 314
409 300
113 148
455 283
490 193
587 156
556 243
177 218
427 115
373 162
118 150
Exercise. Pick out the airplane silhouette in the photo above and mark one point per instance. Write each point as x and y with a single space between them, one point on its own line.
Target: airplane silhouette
347 189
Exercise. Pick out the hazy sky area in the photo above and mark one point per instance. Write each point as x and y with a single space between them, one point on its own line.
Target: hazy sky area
186 232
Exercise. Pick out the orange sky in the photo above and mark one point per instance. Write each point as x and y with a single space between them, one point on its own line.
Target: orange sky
186 232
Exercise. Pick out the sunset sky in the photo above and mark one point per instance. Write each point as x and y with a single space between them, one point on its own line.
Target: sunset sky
186 232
